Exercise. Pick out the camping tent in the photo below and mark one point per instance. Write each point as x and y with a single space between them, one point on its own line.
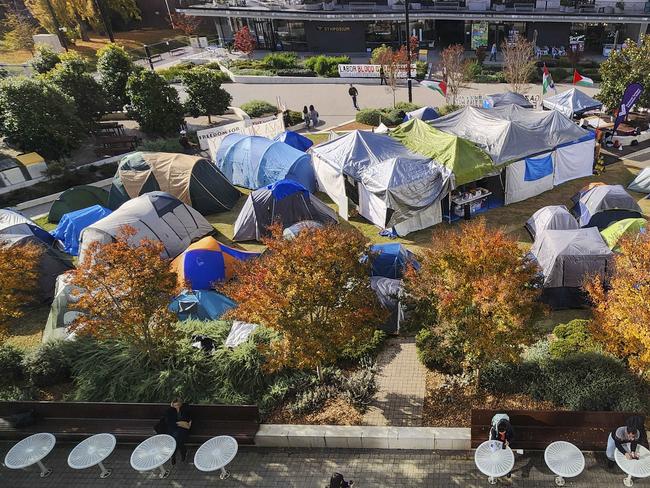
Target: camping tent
617 230
52 263
195 181
566 258
207 261
601 205
254 162
507 98
424 113
17 224
285 201
571 103
61 313
295 140
292 231
76 198
71 224
465 160
641 183
201 305
391 260
388 293
552 217
395 187
156 216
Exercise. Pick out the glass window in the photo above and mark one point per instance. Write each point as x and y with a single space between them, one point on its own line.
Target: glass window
381 32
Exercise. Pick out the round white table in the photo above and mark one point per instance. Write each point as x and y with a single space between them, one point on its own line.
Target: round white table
153 453
638 468
215 454
31 450
92 452
494 463
565 460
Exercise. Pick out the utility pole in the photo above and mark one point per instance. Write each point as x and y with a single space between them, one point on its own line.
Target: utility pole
147 51
408 51
59 32
105 20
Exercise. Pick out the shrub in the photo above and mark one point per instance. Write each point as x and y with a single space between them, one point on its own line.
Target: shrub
358 351
49 364
295 72
248 64
154 104
472 71
572 338
312 400
360 386
161 145
275 61
369 116
421 69
326 65
292 117
434 354
393 117
257 108
559 74
45 59
447 109
407 106
503 377
253 72
114 66
173 74
11 365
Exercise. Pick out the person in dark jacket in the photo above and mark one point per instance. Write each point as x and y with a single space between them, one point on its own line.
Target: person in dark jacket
382 76
627 434
503 432
338 481
354 93
178 422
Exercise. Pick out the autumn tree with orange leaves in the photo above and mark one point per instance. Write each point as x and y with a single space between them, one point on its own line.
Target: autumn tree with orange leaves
475 296
125 294
622 306
392 62
313 290
244 41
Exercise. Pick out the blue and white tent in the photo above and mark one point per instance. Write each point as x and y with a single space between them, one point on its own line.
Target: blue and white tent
14 223
295 140
72 223
254 162
425 114
201 305
391 260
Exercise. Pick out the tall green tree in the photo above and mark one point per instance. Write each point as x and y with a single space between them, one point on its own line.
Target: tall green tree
114 66
154 104
205 95
628 65
19 30
37 116
72 76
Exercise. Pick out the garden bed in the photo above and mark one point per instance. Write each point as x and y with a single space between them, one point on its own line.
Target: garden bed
335 412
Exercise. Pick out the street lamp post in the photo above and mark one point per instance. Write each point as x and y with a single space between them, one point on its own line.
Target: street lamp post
408 51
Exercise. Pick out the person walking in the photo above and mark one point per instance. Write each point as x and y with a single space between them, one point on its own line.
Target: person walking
627 434
177 423
493 52
313 115
353 92
305 116
382 76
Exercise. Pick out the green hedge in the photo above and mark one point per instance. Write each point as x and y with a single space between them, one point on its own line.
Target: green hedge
434 355
11 365
369 116
257 108
572 338
326 66
276 61
295 72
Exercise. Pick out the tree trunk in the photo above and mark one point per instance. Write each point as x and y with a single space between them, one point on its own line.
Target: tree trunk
319 373
209 119
83 32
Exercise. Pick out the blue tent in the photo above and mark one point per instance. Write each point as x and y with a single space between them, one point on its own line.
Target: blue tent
391 260
201 305
254 162
71 224
425 114
295 140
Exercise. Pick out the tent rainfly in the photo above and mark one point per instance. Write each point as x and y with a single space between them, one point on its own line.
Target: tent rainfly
617 230
507 98
388 293
200 305
195 181
641 183
253 162
76 198
552 217
425 114
572 103
156 216
391 260
295 140
601 205
285 201
292 231
17 224
71 224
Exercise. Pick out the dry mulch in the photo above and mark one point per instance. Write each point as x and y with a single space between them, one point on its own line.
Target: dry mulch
453 408
336 411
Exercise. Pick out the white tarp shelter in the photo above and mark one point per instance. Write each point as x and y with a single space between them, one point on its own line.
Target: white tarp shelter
572 103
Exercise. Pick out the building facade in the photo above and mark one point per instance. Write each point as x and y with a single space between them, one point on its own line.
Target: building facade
358 26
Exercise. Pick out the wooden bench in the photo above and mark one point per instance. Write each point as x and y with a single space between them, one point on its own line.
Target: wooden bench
536 429
446 5
524 7
178 51
154 58
129 422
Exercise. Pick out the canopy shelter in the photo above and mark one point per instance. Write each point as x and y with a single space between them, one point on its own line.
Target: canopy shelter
507 98
207 262
393 187
425 114
601 205
388 293
76 198
200 305
286 202
641 183
254 162
566 258
157 216
391 260
295 140
17 224
195 181
552 217
72 223
572 103
617 230
52 262
464 159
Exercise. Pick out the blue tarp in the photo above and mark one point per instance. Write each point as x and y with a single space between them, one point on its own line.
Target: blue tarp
391 260
201 305
71 224
254 162
537 168
285 188
295 140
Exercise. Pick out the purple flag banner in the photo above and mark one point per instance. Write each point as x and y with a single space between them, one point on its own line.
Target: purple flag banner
630 97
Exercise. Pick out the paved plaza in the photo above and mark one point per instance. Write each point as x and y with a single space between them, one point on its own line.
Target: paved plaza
310 468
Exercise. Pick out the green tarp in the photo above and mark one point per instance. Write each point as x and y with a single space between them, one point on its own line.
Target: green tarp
614 232
463 158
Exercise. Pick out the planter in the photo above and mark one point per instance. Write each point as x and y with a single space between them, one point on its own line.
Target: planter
477 5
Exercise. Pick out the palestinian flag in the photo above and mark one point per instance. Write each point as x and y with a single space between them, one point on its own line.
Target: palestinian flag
547 81
578 79
439 86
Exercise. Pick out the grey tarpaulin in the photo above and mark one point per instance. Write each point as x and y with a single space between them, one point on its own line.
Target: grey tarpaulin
571 103
388 291
552 217
507 98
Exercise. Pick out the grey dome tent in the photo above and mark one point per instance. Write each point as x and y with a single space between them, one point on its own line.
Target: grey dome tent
552 217
572 103
76 198
507 98
156 216
600 205
195 181
52 262
285 201
566 258
641 183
